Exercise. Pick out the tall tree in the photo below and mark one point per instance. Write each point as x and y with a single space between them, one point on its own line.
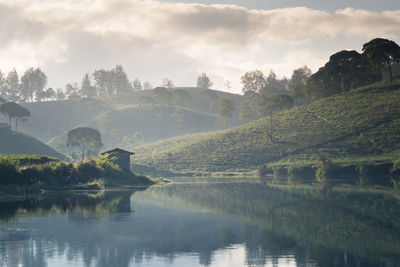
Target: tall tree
13 86
137 85
86 138
204 82
13 110
32 82
3 86
253 81
382 52
119 80
225 110
86 87
101 81
297 84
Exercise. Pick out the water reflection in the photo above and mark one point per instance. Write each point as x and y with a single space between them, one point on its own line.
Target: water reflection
218 224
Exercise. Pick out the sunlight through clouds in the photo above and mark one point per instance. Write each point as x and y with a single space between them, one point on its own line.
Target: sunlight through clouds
157 39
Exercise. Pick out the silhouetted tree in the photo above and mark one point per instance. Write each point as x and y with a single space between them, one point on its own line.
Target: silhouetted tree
137 86
86 87
32 83
297 84
13 86
253 81
204 82
85 138
382 52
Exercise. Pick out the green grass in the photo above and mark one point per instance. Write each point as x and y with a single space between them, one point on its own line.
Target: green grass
358 126
30 174
18 143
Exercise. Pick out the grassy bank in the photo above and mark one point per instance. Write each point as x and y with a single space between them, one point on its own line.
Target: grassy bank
360 126
31 174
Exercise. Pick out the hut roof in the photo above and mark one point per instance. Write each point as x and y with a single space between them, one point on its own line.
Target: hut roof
117 150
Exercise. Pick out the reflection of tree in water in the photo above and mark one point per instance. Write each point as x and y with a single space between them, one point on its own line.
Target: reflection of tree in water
183 224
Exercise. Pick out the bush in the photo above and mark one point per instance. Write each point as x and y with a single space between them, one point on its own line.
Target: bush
8 172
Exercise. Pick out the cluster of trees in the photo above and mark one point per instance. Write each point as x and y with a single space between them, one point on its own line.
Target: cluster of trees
31 86
344 71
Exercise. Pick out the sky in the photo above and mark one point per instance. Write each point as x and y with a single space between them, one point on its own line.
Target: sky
182 39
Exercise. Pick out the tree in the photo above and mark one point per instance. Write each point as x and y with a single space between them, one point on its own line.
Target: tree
119 80
13 110
71 89
167 83
3 87
211 96
137 86
32 83
86 138
101 81
13 86
253 81
228 85
60 94
346 68
297 84
225 109
204 82
49 93
147 86
86 87
382 52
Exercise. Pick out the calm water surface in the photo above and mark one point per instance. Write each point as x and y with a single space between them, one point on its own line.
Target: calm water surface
201 222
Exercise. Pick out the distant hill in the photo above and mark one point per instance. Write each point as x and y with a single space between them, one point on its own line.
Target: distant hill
18 143
128 114
360 125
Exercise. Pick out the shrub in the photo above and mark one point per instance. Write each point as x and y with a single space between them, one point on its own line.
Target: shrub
8 172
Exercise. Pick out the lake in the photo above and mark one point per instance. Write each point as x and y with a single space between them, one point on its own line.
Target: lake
202 222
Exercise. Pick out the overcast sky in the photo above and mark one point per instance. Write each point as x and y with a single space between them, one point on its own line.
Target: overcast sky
180 40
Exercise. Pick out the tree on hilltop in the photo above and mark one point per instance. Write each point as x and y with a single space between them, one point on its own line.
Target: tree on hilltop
204 82
253 81
86 138
382 52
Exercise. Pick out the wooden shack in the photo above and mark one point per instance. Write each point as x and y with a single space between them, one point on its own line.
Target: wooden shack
121 157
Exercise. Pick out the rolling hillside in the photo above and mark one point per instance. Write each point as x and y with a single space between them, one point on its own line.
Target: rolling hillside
17 143
127 114
361 125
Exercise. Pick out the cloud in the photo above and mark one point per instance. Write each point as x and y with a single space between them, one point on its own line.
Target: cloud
155 39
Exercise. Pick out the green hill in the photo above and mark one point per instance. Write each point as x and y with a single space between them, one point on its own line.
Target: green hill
360 125
127 114
17 143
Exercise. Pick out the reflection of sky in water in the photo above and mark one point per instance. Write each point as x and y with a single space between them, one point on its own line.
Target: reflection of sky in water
223 224
234 256
151 236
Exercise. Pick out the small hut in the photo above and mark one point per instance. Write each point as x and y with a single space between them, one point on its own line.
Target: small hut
121 157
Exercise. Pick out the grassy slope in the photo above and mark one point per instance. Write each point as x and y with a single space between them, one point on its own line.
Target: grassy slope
359 125
17 143
126 115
